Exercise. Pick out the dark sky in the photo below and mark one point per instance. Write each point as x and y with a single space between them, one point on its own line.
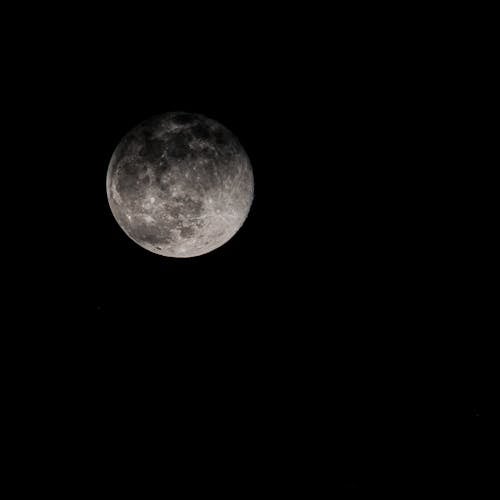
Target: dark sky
348 304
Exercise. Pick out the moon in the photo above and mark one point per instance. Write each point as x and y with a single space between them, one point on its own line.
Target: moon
180 184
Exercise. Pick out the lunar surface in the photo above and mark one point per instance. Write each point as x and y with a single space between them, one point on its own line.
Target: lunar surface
180 184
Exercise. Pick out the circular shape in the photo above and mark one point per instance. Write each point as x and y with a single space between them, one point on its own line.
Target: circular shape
180 184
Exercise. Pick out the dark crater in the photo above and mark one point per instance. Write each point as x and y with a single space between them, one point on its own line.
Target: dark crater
201 131
178 145
174 211
132 178
191 207
150 234
152 150
186 232
222 136
127 177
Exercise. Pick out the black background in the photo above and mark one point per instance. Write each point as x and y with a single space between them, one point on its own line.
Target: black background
349 311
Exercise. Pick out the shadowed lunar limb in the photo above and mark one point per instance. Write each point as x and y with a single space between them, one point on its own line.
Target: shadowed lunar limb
180 184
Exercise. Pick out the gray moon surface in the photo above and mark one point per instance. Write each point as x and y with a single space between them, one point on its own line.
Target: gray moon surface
180 184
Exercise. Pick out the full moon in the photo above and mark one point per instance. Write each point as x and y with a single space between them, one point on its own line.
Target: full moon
180 184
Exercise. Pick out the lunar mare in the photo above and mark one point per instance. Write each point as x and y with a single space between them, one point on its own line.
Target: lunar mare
180 184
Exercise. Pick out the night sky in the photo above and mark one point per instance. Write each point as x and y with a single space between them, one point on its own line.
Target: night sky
346 313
